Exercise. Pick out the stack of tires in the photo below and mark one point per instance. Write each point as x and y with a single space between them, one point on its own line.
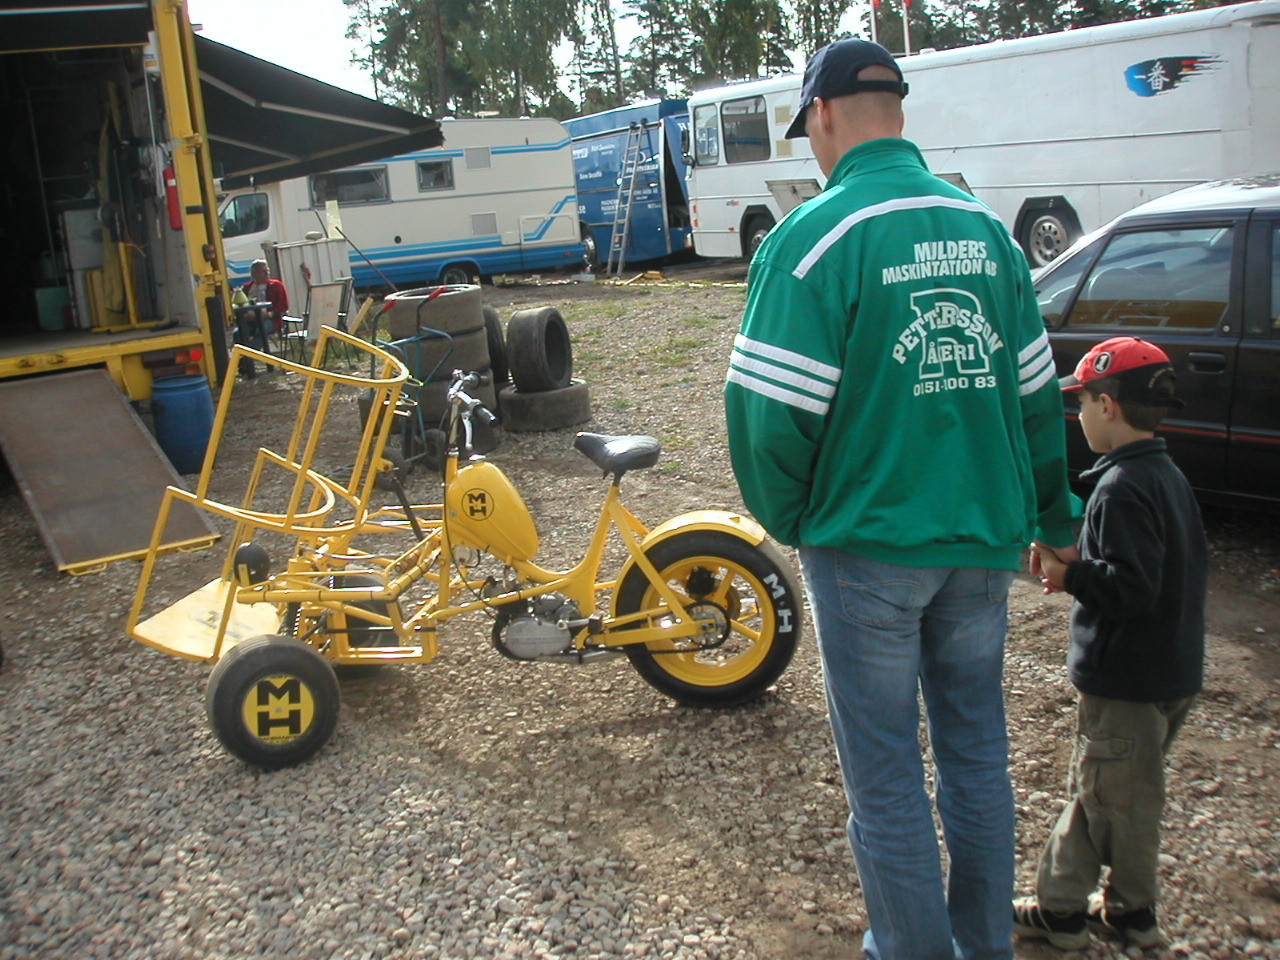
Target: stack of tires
437 330
543 394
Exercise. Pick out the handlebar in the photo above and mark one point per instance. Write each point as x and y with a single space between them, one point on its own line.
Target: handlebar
463 407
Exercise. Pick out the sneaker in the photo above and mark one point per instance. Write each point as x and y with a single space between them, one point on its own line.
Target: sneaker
1066 931
1137 928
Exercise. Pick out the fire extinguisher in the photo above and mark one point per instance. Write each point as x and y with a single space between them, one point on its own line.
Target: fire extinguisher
171 197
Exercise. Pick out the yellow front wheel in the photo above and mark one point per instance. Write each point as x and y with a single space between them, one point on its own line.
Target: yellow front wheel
272 701
746 602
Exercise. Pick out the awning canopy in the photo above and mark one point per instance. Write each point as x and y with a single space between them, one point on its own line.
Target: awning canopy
265 122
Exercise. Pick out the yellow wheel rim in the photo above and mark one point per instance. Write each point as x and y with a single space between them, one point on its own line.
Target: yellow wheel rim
723 594
278 709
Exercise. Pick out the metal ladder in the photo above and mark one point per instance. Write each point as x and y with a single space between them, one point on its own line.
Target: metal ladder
628 171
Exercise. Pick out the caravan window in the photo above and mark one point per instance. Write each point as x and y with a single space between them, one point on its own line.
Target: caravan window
248 213
706 135
435 174
366 185
746 130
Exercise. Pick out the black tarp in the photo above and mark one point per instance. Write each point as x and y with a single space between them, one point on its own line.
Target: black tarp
265 122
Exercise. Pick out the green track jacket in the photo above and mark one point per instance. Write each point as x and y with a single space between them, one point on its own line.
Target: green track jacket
892 391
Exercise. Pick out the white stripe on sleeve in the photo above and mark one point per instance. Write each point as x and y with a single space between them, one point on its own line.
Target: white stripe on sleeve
875 210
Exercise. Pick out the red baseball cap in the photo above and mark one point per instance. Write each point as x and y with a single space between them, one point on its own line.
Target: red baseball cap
1143 370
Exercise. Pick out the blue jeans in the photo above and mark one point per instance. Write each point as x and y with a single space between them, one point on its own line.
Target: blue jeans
886 634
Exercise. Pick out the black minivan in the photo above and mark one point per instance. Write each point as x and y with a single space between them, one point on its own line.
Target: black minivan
1197 272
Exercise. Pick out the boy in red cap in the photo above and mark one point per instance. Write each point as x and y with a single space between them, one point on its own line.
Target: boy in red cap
1137 653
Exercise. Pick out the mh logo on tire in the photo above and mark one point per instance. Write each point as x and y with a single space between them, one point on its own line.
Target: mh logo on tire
278 709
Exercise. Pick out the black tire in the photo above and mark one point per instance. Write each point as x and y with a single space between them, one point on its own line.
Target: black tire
286 688
458 273
732 582
753 234
545 410
455 310
539 353
497 347
432 404
434 359
1047 234
360 633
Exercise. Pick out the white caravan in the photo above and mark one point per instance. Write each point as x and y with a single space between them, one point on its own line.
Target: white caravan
1058 134
497 197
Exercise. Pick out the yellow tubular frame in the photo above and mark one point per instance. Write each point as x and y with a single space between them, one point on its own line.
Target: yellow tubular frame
314 578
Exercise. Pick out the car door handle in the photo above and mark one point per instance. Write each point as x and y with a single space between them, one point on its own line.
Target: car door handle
1207 362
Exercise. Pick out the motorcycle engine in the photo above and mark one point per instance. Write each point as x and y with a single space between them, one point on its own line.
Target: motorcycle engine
529 630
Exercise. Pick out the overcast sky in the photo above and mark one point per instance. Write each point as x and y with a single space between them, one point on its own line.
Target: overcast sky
308 36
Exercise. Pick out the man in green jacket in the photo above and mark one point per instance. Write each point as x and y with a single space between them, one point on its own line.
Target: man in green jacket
893 412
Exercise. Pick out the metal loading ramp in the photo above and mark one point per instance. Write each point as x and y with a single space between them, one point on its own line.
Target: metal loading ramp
90 471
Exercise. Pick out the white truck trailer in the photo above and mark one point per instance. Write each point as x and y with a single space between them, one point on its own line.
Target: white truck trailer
1057 134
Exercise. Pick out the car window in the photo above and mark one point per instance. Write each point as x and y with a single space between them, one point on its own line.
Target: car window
1055 285
1155 279
1275 278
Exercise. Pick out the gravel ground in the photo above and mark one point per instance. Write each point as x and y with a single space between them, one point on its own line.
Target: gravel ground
479 808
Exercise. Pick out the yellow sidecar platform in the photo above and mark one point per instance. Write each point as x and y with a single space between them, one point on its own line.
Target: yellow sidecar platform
207 622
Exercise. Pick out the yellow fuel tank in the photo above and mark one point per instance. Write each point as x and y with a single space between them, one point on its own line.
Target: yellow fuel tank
484 510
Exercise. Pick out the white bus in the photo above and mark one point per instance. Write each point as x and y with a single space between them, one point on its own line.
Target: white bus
497 197
1058 134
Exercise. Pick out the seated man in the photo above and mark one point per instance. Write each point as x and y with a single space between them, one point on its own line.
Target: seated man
262 288
254 325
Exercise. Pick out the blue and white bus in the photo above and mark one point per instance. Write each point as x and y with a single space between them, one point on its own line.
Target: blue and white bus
497 197
660 203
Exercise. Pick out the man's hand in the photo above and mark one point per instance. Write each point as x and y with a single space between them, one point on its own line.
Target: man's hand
1049 564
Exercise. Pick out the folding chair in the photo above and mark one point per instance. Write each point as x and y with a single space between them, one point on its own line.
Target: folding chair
326 307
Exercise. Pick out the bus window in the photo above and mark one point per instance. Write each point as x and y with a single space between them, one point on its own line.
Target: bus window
435 174
247 213
366 185
746 130
706 135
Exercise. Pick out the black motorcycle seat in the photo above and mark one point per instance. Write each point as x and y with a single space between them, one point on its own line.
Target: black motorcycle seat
617 455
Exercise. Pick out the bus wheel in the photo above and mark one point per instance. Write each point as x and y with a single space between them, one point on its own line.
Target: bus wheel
590 254
1046 235
757 229
455 274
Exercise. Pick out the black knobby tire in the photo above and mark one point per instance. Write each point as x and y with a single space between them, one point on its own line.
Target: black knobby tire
546 410
272 701
497 347
539 353
748 589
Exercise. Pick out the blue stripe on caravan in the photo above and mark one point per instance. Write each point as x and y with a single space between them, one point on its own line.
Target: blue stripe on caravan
533 147
546 223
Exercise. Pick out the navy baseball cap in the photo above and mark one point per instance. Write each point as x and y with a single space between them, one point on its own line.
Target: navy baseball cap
833 72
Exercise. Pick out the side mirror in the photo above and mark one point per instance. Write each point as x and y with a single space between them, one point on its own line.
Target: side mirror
685 154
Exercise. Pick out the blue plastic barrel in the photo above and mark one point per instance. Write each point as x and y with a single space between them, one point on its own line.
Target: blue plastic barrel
182 408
